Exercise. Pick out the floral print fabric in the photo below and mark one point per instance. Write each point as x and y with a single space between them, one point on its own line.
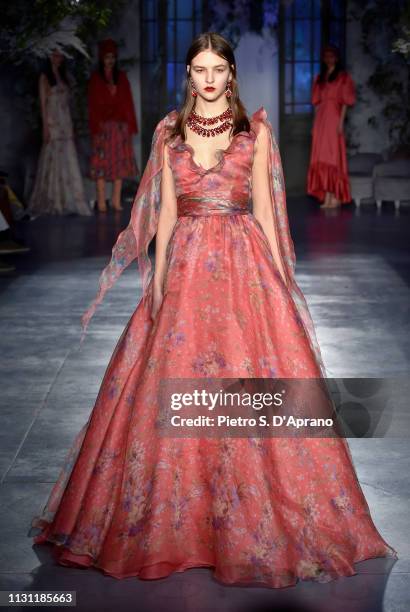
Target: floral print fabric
265 511
112 154
58 187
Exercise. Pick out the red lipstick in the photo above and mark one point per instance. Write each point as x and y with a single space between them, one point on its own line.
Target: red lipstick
209 88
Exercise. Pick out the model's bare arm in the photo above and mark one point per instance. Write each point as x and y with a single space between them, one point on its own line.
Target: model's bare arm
166 220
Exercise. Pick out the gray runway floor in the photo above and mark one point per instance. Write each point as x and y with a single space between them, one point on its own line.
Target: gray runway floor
354 270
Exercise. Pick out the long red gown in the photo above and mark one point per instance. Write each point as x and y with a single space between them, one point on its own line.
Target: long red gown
264 511
328 163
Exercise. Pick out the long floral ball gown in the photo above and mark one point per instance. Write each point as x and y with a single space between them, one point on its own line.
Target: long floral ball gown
265 511
58 187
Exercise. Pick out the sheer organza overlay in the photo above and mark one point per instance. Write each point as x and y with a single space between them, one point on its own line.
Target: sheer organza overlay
257 510
133 242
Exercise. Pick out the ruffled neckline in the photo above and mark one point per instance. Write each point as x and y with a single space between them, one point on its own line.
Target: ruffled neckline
180 144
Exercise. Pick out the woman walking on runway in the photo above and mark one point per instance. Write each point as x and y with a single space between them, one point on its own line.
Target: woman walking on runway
222 302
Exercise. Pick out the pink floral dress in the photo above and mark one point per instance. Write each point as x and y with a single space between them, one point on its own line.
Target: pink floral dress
259 511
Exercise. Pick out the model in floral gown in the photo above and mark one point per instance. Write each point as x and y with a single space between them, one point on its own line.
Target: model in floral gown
222 302
58 187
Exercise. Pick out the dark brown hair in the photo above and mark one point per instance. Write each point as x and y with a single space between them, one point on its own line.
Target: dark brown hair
49 74
219 45
323 78
115 71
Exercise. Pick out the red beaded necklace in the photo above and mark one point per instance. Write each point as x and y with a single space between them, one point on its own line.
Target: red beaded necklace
196 123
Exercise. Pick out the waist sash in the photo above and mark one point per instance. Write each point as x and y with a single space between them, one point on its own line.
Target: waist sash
193 206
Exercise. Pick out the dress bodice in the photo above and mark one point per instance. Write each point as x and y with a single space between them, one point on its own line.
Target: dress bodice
225 188
334 93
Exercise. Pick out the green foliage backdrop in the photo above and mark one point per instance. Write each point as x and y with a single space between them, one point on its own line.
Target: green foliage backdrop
25 26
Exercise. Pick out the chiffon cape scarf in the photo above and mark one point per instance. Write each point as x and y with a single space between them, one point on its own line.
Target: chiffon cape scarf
134 240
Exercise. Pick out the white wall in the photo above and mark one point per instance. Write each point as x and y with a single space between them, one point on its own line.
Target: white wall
258 74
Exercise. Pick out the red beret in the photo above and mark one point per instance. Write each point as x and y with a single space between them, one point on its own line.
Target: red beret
107 46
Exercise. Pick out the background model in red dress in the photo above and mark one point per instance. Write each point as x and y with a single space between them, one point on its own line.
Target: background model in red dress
112 122
328 179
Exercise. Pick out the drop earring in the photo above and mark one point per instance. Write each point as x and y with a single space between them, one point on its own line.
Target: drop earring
228 90
193 90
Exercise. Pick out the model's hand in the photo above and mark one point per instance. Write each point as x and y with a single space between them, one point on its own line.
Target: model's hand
157 297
